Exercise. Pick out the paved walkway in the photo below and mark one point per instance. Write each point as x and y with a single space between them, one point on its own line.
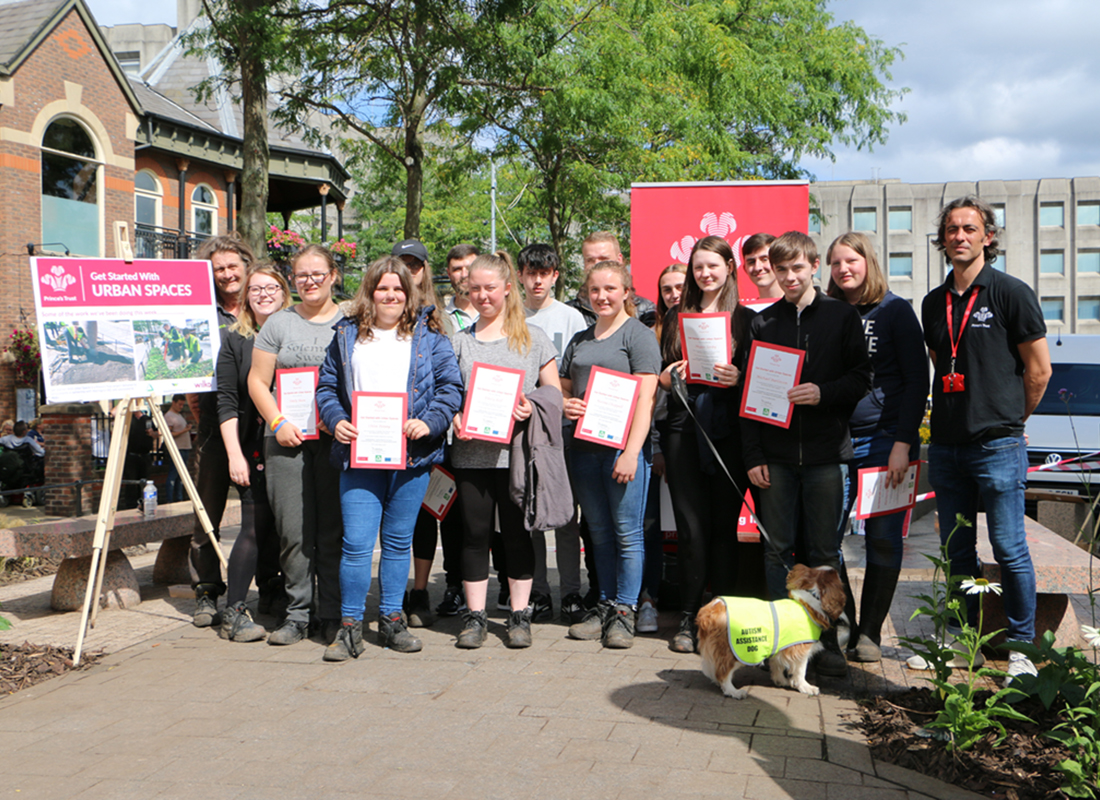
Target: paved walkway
173 711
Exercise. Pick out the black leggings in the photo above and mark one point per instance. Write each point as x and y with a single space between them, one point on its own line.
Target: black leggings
255 552
449 530
706 509
481 492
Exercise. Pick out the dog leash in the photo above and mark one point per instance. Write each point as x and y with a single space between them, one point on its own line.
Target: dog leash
680 390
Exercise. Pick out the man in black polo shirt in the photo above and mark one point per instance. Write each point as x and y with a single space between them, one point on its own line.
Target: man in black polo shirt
986 337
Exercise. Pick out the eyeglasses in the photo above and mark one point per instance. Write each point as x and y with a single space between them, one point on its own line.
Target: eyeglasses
313 277
270 290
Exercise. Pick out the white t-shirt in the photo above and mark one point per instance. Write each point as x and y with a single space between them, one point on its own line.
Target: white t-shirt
381 364
559 322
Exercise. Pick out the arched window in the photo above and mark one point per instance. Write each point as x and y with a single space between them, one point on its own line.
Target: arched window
70 189
204 211
147 199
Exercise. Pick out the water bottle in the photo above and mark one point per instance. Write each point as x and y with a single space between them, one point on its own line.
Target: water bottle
149 500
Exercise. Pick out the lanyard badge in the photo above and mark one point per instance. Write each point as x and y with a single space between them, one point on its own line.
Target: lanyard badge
956 381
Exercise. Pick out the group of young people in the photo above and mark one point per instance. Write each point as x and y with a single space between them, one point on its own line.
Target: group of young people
859 403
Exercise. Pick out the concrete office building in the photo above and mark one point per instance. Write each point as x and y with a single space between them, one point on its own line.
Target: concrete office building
1050 237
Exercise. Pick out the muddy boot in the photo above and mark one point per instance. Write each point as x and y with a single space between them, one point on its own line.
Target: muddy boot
348 642
393 633
418 608
591 627
206 605
237 625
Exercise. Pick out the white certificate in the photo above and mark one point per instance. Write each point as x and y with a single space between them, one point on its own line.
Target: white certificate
705 340
610 400
875 498
773 371
440 494
491 398
296 395
379 418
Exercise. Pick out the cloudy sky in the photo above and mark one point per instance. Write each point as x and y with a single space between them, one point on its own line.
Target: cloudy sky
998 89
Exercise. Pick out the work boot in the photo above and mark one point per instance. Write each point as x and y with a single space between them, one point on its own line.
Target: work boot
879 584
591 627
618 633
393 633
237 625
290 632
519 629
830 662
348 642
475 627
418 608
206 605
684 639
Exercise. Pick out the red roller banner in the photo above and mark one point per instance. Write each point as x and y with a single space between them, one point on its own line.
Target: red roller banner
666 219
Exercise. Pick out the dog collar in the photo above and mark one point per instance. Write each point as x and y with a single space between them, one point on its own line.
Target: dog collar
811 600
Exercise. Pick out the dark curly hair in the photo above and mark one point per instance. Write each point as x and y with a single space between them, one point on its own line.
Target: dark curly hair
991 250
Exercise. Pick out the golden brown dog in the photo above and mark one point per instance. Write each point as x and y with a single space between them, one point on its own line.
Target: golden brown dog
784 632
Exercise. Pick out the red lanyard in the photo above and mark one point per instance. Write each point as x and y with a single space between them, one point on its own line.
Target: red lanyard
962 326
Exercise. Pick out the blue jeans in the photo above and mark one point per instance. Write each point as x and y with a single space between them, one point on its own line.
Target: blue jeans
373 499
814 495
615 513
173 485
996 472
883 535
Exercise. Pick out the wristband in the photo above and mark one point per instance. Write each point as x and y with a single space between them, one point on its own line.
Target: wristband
281 424
276 421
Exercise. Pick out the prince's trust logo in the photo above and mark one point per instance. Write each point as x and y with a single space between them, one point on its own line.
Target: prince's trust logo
981 317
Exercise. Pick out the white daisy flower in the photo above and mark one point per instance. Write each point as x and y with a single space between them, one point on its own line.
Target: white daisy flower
1091 634
980 586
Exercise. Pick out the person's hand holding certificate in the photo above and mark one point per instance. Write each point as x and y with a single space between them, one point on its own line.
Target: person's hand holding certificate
876 497
773 371
706 342
609 404
296 395
491 400
379 422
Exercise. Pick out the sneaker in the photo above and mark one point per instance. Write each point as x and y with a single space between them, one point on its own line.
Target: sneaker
618 633
474 630
958 662
519 629
1019 664
504 599
542 607
206 606
591 627
290 632
348 642
237 625
454 602
684 639
647 618
393 633
418 607
572 609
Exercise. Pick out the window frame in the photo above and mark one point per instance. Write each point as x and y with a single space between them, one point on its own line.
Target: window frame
198 206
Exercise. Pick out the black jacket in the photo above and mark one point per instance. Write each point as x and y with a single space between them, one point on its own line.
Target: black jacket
831 333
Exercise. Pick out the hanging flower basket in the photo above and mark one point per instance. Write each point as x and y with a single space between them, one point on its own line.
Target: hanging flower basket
23 355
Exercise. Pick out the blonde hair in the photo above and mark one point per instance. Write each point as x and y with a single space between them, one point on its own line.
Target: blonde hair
515 318
427 295
624 275
362 310
875 285
246 324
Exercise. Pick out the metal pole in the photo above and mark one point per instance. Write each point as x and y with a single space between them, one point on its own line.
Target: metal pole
493 206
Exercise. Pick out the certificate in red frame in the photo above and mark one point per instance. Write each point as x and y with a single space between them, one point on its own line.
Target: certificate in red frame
487 396
769 413
703 373
440 494
381 408
907 501
591 430
297 381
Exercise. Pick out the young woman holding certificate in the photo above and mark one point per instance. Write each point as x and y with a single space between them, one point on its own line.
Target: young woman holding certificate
611 479
388 344
707 546
500 338
301 484
885 425
256 550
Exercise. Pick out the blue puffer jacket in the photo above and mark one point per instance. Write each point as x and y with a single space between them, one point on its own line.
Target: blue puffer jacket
434 389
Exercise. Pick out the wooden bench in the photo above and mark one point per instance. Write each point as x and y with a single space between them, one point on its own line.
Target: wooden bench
72 539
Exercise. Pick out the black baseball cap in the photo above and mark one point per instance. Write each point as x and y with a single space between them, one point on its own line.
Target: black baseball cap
411 247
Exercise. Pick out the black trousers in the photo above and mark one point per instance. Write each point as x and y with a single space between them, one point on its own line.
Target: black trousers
483 494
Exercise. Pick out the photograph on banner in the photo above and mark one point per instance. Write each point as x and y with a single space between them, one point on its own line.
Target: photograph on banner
109 329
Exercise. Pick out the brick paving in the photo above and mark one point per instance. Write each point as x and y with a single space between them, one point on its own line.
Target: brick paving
174 711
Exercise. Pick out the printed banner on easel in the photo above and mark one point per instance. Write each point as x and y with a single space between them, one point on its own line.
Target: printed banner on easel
109 329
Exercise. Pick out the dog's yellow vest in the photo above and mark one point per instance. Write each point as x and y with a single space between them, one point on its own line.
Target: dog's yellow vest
759 629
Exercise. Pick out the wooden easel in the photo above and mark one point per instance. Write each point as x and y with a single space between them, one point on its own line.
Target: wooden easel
108 505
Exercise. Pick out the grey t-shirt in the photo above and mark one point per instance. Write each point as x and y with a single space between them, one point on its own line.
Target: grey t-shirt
559 322
631 349
294 341
477 454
